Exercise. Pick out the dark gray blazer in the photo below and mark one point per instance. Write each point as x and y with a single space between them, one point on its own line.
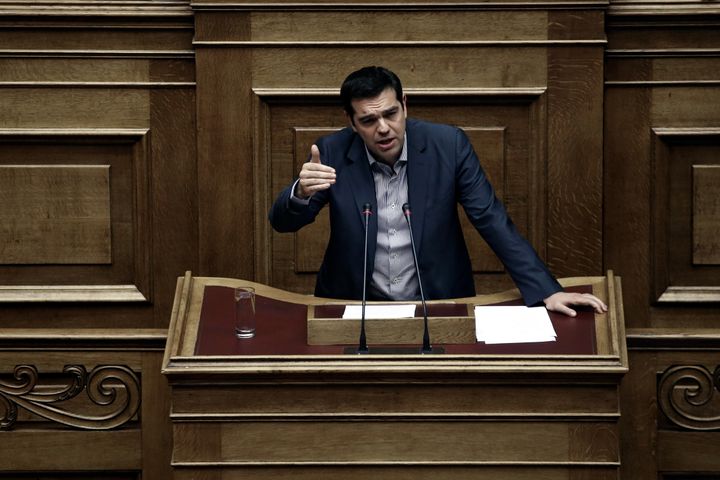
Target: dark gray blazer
442 170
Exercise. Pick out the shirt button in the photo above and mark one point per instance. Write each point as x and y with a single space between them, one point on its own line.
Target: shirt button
394 256
396 280
392 205
392 231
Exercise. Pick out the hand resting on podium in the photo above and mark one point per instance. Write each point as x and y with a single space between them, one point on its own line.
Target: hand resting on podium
561 301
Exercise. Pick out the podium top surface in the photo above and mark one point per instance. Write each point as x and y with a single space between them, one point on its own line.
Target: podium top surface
202 338
281 330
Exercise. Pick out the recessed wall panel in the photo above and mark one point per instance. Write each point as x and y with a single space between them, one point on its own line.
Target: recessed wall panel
74 206
706 214
55 214
686 215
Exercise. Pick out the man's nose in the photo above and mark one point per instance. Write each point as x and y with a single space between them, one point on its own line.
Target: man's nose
383 126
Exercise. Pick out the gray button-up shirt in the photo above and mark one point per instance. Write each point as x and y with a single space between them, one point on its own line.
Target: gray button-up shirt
393 274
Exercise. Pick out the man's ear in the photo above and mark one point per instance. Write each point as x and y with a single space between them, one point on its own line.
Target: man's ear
404 104
351 123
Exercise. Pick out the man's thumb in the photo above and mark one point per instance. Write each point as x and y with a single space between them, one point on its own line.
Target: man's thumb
315 154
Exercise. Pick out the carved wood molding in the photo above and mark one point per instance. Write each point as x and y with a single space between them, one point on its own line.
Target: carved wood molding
663 8
115 389
332 93
63 339
263 5
685 393
391 43
661 339
167 9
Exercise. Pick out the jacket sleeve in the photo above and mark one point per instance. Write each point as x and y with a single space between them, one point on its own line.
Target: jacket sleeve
489 217
288 216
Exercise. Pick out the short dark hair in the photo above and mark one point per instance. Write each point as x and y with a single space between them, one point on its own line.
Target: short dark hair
368 82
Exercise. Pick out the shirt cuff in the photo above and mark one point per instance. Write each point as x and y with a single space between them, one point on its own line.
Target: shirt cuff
295 200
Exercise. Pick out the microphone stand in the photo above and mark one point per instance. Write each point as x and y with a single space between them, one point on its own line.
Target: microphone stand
426 348
362 343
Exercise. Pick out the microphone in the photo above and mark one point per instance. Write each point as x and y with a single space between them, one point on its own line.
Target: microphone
426 348
362 343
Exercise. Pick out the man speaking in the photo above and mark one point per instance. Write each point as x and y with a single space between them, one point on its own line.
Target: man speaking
387 160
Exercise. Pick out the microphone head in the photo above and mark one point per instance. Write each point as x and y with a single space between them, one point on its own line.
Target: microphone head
367 208
406 209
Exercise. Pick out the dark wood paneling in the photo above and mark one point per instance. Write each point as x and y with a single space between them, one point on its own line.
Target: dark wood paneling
69 433
55 214
679 156
225 163
670 405
580 173
351 472
95 86
122 156
662 84
660 126
574 161
706 214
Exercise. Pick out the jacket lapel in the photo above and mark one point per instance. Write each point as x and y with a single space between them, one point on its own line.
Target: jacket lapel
418 177
363 190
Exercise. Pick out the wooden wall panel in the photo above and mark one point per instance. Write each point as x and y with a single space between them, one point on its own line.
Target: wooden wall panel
46 431
332 26
55 214
350 472
128 106
706 214
225 159
64 107
108 89
650 171
671 408
74 476
574 185
622 177
403 442
678 156
662 82
345 401
428 66
120 269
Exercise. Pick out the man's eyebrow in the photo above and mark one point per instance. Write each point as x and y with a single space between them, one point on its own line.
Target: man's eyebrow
387 111
369 116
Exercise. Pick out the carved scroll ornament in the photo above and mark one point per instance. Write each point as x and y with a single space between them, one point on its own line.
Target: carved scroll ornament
115 389
686 395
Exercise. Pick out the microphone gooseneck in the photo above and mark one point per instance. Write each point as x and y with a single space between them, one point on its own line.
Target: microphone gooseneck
362 343
426 348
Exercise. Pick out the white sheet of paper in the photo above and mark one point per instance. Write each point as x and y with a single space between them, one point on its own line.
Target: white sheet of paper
513 324
380 311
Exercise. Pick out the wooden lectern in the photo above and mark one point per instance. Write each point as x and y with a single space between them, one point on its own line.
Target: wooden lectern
275 407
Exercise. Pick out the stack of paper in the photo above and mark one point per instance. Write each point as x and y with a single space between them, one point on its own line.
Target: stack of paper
380 311
495 324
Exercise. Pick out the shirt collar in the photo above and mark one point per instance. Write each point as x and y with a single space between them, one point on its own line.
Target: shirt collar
402 158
